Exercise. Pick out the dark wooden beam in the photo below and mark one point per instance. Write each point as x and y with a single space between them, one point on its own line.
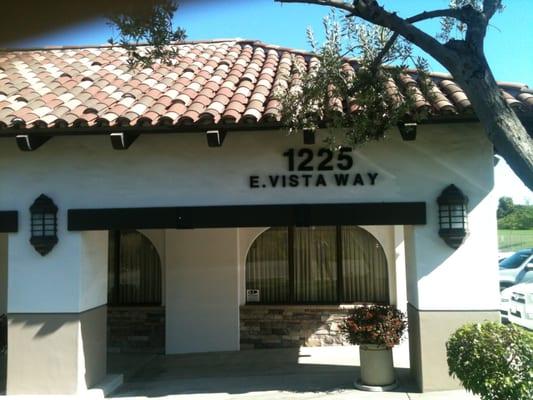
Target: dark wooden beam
247 216
30 142
8 221
122 140
215 138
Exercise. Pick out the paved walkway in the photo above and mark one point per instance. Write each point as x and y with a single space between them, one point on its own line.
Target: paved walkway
280 374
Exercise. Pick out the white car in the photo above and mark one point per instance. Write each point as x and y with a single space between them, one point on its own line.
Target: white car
513 268
521 305
505 299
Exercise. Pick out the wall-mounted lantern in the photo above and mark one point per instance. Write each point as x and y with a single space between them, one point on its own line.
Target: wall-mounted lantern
452 216
43 224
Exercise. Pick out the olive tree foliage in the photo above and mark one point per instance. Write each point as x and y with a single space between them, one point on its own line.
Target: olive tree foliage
458 47
150 25
346 72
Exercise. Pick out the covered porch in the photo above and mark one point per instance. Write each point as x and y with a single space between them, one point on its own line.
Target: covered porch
290 373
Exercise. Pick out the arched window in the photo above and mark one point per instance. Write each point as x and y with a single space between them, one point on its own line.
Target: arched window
322 265
134 270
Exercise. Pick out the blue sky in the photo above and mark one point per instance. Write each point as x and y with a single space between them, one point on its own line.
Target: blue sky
509 45
509 42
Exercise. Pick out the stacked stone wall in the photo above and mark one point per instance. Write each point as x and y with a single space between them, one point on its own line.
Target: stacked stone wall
263 326
136 329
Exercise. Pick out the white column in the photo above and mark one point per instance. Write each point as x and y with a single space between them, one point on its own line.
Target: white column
57 314
399 252
202 290
447 288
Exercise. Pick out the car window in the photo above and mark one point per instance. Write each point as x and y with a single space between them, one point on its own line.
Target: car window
515 260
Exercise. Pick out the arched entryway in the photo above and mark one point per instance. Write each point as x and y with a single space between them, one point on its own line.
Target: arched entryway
298 280
136 314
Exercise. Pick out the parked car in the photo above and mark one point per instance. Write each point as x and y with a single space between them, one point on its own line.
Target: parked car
521 305
512 268
504 254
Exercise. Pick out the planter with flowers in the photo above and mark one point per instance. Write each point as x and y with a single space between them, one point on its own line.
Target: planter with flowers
376 329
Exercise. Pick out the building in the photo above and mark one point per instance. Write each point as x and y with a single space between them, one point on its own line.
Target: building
174 195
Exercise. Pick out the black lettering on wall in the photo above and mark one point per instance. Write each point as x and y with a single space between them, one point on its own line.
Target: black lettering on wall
372 177
341 179
320 181
358 180
254 181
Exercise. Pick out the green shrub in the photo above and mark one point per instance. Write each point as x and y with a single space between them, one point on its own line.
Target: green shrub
493 360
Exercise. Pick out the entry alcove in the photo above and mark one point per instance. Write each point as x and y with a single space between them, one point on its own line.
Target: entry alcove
301 281
136 314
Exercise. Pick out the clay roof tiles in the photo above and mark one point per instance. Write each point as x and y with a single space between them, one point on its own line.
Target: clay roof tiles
218 82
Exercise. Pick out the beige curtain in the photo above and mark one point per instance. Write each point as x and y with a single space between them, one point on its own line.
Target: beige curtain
315 265
314 261
364 267
267 266
139 271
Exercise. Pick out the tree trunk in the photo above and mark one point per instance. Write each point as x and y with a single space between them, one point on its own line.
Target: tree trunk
504 129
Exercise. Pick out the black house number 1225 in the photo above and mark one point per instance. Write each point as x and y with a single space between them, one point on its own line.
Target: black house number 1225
306 159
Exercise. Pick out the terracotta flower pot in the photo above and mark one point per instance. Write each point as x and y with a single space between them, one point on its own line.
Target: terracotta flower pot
377 368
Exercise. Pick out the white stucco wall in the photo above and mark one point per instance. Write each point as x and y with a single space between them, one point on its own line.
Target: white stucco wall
400 270
93 269
202 306
71 278
3 273
173 170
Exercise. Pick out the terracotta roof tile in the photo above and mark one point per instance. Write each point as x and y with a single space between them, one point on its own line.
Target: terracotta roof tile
213 82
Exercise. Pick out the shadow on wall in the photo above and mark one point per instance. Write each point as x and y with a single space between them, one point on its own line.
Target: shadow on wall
42 325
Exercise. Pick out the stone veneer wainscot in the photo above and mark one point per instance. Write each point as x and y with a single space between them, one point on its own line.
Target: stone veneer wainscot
136 329
291 325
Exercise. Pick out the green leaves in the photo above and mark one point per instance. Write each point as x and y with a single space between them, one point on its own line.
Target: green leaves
358 96
493 360
151 26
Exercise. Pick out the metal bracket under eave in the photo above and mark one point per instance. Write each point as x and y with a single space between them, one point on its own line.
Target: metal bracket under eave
122 140
215 138
309 136
408 130
31 143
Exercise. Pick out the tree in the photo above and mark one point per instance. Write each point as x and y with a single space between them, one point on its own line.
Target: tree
464 58
505 206
152 25
462 55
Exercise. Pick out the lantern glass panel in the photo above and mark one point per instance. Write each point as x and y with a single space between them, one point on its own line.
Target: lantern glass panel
37 225
457 220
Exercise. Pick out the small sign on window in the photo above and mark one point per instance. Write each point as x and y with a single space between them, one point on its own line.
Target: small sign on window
252 295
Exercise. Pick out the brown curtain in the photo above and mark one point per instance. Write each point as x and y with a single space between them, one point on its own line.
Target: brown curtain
364 267
314 263
139 271
267 266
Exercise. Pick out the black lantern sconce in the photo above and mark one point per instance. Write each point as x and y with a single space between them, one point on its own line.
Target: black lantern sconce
43 224
452 216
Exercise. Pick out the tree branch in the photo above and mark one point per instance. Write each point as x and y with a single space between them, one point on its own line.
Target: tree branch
328 3
384 51
448 12
370 11
490 7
